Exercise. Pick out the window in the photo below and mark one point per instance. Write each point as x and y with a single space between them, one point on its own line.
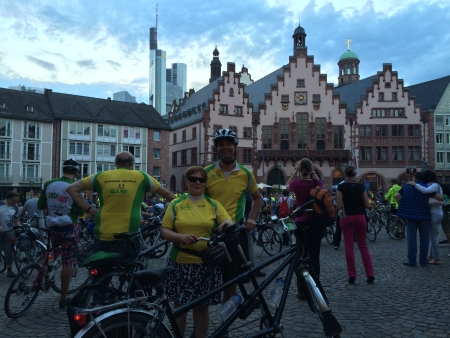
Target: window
302 130
238 110
380 96
414 153
316 97
440 157
174 159
365 131
156 153
84 171
78 148
284 98
174 138
397 154
231 92
223 109
79 128
157 173
284 129
2 105
131 133
106 149
300 83
5 128
364 154
183 136
106 131
247 132
30 109
156 135
194 132
194 156
30 172
338 133
183 157
320 128
31 130
413 130
439 138
380 130
30 151
394 96
216 128
267 137
247 156
105 166
378 113
136 151
387 85
397 130
5 150
447 140
4 171
233 128
447 120
381 153
396 112
440 120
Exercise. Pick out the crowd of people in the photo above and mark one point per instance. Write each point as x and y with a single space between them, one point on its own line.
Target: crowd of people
221 194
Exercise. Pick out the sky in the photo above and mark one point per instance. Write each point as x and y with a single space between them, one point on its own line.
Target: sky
97 48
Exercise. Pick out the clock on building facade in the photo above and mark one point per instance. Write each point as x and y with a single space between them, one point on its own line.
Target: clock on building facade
300 98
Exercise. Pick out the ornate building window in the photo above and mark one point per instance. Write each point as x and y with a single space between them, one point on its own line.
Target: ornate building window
247 156
381 153
397 154
300 83
397 131
302 130
380 130
247 132
267 137
338 133
320 129
414 153
365 154
413 130
284 129
365 131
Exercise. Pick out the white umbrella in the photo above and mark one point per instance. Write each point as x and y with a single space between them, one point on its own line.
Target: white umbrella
262 185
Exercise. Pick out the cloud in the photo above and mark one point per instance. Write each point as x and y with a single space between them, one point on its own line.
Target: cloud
115 65
88 64
42 63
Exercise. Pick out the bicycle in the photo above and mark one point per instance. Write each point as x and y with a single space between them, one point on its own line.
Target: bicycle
267 237
151 237
39 277
329 233
384 217
144 315
2 262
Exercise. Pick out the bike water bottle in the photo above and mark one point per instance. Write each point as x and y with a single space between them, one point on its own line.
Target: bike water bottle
51 260
275 294
228 308
74 270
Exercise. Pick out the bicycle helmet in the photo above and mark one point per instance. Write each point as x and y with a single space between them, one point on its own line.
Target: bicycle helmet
225 134
71 164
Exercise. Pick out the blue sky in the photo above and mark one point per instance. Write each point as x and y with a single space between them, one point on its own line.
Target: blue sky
96 48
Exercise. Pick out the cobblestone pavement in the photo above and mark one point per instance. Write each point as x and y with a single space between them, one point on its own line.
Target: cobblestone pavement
403 302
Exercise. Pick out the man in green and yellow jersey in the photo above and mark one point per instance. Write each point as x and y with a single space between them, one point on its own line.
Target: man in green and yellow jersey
228 182
120 192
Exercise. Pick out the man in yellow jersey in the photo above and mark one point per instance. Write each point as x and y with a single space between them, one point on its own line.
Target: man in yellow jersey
120 194
227 183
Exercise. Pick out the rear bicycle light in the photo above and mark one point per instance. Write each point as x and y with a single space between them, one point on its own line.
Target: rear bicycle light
93 272
80 319
14 240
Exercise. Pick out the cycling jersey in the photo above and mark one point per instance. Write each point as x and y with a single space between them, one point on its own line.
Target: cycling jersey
230 191
120 193
186 216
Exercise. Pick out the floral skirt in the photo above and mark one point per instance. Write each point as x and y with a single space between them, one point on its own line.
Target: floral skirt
191 281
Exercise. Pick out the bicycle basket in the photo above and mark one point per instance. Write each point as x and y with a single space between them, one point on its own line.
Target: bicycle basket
290 226
24 242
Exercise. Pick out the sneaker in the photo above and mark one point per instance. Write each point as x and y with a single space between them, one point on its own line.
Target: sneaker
10 274
63 303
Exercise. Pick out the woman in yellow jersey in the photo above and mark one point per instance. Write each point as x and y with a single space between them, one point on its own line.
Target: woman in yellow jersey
188 217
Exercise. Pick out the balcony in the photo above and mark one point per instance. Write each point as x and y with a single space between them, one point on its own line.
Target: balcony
5 156
31 157
30 180
31 136
6 180
5 133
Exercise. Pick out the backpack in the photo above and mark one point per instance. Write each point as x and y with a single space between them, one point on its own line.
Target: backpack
284 210
324 209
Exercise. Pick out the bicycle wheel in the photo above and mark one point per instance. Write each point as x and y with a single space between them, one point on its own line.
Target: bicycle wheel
2 262
161 245
80 277
117 325
371 232
23 290
25 257
108 289
329 234
271 242
379 222
396 227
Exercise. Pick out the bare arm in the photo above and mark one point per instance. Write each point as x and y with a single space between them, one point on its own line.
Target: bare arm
256 206
366 200
178 238
293 177
339 202
74 190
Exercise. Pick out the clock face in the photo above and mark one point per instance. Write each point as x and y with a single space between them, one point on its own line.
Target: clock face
300 97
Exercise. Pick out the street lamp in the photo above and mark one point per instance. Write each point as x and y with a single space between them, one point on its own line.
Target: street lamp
279 175
31 185
351 141
424 120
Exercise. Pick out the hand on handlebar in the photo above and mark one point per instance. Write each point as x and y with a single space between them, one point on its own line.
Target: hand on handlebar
250 224
189 239
227 222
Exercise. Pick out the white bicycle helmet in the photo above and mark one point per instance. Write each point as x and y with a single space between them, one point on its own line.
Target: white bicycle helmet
71 164
225 134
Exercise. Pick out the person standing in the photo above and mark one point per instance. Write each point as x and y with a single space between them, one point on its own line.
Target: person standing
62 218
120 192
413 206
30 208
353 200
227 183
390 196
9 216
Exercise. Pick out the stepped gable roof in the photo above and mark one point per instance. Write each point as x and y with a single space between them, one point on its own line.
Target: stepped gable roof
16 102
258 89
190 110
90 109
429 93
352 92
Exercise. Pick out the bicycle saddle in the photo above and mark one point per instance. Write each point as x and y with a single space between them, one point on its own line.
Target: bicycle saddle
153 277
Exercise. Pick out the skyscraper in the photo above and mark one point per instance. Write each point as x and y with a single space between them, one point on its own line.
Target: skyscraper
157 74
178 75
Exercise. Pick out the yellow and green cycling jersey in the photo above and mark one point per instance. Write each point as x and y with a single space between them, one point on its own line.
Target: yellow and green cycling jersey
120 193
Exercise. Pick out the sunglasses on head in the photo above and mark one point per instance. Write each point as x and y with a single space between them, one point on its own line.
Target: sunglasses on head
195 179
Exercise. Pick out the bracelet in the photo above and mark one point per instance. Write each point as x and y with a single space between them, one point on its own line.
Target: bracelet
87 210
